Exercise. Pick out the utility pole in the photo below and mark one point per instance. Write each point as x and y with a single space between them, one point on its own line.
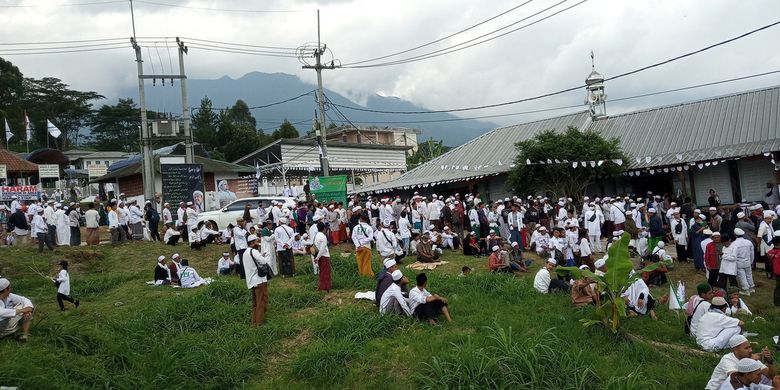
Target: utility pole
320 131
146 137
189 155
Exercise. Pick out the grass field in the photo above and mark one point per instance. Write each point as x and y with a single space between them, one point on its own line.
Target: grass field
128 335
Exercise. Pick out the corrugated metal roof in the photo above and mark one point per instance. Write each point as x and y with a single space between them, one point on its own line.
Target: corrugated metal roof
713 129
742 124
482 155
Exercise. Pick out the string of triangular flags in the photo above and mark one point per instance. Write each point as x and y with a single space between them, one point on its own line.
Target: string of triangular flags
574 164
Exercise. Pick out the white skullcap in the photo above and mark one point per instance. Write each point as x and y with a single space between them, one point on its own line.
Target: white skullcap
748 365
584 266
713 209
740 215
769 214
284 220
514 243
660 244
697 211
507 199
225 254
387 222
737 340
552 261
397 275
316 217
600 263
496 247
739 232
651 210
755 207
189 203
4 283
175 256
161 258
252 237
707 232
389 263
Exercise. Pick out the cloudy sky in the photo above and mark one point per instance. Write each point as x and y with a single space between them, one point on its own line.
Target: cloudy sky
548 56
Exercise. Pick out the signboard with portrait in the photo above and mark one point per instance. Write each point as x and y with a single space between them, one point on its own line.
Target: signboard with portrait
183 183
229 190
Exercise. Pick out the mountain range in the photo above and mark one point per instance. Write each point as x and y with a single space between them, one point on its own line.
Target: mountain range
258 88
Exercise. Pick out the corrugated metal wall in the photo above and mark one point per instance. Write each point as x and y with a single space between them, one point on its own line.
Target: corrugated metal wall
344 157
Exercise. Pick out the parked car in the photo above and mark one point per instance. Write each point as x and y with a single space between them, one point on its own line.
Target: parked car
221 218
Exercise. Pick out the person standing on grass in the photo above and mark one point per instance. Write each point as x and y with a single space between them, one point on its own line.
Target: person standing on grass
322 259
426 306
710 248
284 236
41 229
773 257
362 235
240 243
743 249
741 349
92 221
63 286
15 312
252 259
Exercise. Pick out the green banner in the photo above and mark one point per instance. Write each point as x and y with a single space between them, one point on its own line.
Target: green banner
329 188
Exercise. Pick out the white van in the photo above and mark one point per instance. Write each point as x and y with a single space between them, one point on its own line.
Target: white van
221 218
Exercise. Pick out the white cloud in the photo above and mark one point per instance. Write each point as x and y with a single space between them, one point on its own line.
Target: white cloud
545 57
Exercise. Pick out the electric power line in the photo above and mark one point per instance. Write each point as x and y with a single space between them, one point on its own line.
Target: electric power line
237 51
238 44
64 5
442 38
580 106
455 48
5 54
264 105
568 89
213 9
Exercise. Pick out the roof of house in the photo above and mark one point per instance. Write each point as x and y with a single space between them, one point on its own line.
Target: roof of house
275 148
108 154
722 127
14 163
209 165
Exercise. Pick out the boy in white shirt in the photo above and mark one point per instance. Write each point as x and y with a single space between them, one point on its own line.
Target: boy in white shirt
62 281
426 306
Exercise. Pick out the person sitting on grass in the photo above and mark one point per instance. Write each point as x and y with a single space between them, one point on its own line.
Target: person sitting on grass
465 271
162 274
737 305
225 265
172 235
748 376
62 281
601 266
174 268
698 305
656 277
638 299
188 276
495 261
448 239
543 281
516 257
207 234
413 244
426 306
15 312
490 241
393 300
741 349
714 329
583 291
542 242
385 279
471 247
426 252
298 244
194 238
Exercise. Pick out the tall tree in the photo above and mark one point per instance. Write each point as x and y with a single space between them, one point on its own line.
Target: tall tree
562 179
286 130
11 90
426 151
50 98
115 127
204 124
241 116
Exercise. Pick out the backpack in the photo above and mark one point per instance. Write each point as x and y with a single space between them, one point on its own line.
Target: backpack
689 318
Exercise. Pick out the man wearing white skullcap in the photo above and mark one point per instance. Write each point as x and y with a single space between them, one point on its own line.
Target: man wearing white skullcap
654 227
544 282
743 251
385 279
387 243
392 300
748 375
740 349
15 312
765 235
225 265
715 328
284 236
680 235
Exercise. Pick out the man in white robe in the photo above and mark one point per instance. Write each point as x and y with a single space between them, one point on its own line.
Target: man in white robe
741 349
714 329
63 226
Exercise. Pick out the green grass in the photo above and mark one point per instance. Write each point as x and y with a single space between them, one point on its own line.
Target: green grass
128 335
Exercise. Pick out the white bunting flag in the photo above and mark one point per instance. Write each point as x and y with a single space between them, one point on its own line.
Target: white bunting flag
638 160
685 167
557 161
584 163
512 166
679 169
574 164
8 133
618 161
700 165
707 164
53 130
714 163
601 162
528 161
652 171
666 170
648 159
549 161
593 164
679 157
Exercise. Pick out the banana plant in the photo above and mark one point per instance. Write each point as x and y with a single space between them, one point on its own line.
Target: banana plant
613 283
